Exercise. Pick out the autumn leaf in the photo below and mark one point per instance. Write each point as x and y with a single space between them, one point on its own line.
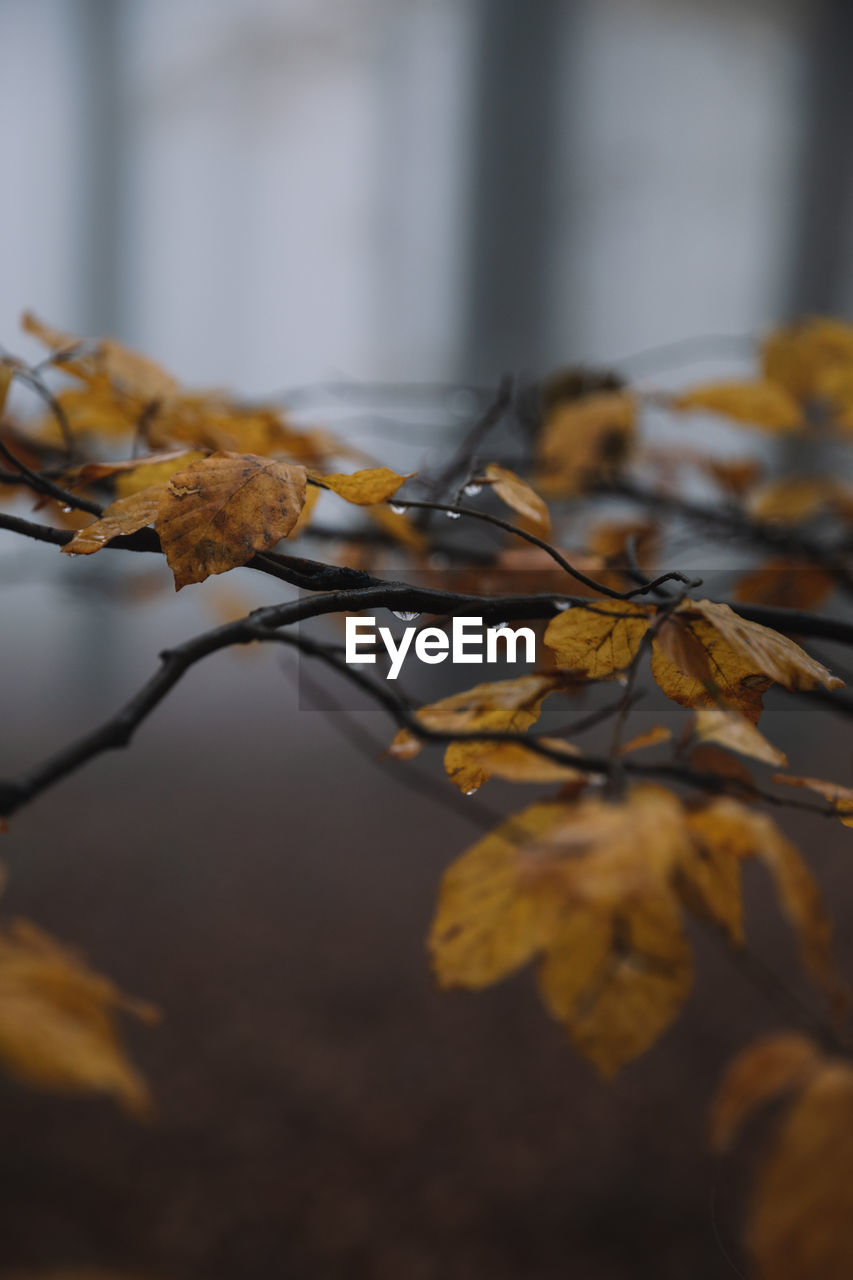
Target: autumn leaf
804 356
470 764
774 654
833 792
219 511
500 705
763 404
122 517
727 831
738 661
802 1203
364 488
57 1020
730 729
598 641
767 1070
792 500
518 495
787 584
652 737
586 883
585 441
7 373
152 471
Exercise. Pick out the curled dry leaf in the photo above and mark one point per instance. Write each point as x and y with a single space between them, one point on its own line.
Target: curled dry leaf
834 792
763 404
122 517
598 640
585 441
519 495
364 488
767 1070
730 729
218 512
587 884
57 1020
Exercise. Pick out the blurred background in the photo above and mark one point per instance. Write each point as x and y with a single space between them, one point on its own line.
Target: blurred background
273 194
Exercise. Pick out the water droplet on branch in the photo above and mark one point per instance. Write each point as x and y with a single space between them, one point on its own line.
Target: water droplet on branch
406 615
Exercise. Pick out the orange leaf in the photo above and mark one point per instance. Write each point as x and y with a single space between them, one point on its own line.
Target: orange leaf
518 494
768 1069
758 404
126 515
365 488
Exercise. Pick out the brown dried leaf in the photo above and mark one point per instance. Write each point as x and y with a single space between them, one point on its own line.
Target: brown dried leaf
587 883
218 512
519 495
770 1068
762 404
786 584
802 1204
834 792
730 729
122 517
584 441
598 640
801 357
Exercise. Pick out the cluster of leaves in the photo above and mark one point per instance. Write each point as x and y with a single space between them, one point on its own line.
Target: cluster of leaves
595 880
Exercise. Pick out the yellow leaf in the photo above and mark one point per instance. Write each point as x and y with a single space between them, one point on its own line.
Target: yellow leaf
833 792
218 512
492 915
598 640
153 470
636 971
774 654
710 882
126 515
518 494
470 764
6 376
732 730
587 883
500 705
767 1070
365 488
585 441
57 1020
802 1204
759 404
803 356
650 738
399 527
792 500
743 659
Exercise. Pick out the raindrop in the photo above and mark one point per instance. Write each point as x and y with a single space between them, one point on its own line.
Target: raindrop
472 488
406 615
399 508
453 515
500 626
622 680
66 509
470 791
562 605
